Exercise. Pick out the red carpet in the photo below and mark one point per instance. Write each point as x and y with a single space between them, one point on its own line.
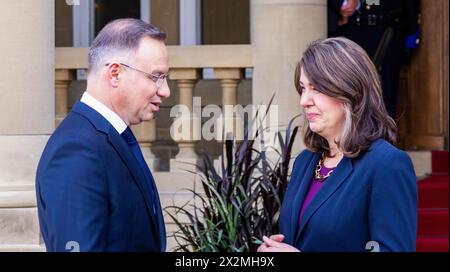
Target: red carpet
432 229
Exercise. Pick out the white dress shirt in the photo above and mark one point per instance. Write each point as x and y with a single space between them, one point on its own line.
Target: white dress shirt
108 114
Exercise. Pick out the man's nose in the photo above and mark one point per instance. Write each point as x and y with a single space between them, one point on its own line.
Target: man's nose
164 90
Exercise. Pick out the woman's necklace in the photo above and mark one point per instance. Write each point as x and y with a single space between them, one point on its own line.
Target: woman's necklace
318 175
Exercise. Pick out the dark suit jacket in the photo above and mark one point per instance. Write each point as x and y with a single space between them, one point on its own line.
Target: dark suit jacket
333 16
401 16
91 190
371 198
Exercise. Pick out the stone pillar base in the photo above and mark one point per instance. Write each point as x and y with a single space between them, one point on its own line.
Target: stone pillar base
421 162
153 164
151 160
19 229
218 164
184 164
22 248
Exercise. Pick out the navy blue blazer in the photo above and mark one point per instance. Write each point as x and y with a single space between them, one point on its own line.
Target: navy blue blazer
91 191
369 198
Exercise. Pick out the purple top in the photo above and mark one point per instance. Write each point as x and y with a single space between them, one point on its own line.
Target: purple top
314 188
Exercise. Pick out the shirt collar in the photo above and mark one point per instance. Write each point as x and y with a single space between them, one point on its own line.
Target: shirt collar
104 111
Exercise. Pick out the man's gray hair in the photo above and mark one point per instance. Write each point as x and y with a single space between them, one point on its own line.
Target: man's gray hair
120 39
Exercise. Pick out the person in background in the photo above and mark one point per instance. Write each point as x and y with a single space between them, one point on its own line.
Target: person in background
366 22
351 189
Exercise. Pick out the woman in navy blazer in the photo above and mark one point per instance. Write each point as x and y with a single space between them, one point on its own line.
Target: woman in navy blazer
351 189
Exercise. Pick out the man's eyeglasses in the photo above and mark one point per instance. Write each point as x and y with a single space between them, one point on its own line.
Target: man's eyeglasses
158 79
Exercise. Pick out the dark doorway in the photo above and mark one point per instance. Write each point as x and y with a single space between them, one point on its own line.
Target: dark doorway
108 10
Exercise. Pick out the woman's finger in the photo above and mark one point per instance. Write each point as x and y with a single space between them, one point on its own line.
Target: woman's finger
270 242
277 237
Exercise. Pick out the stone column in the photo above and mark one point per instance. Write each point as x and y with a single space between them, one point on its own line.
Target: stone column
187 158
63 78
277 46
229 79
27 114
230 127
146 134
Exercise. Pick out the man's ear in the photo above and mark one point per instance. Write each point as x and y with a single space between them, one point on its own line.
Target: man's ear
113 74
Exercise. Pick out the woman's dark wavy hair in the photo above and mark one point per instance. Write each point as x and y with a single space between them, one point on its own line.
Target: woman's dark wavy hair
339 68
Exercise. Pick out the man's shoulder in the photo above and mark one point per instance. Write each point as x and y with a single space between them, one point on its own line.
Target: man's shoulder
76 128
77 124
75 144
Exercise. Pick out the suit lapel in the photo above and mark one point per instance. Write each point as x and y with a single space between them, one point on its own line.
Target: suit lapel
301 193
343 169
159 215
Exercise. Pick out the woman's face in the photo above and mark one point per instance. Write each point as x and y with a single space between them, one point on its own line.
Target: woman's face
325 114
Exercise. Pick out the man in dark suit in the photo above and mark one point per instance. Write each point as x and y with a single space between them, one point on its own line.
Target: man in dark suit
366 21
94 190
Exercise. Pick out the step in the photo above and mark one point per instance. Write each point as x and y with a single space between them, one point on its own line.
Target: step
439 161
433 194
432 244
433 222
444 178
22 248
19 226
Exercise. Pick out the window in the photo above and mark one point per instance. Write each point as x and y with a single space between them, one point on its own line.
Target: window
186 22
89 16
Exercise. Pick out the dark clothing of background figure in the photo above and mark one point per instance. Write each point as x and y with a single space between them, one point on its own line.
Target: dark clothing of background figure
367 26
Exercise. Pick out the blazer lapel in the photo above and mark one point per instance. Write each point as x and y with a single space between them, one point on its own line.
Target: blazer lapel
159 215
343 169
301 194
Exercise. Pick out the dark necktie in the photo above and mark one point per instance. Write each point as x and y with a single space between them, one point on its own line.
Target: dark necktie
129 138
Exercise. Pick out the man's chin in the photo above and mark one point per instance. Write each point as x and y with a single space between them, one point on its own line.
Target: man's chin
149 117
